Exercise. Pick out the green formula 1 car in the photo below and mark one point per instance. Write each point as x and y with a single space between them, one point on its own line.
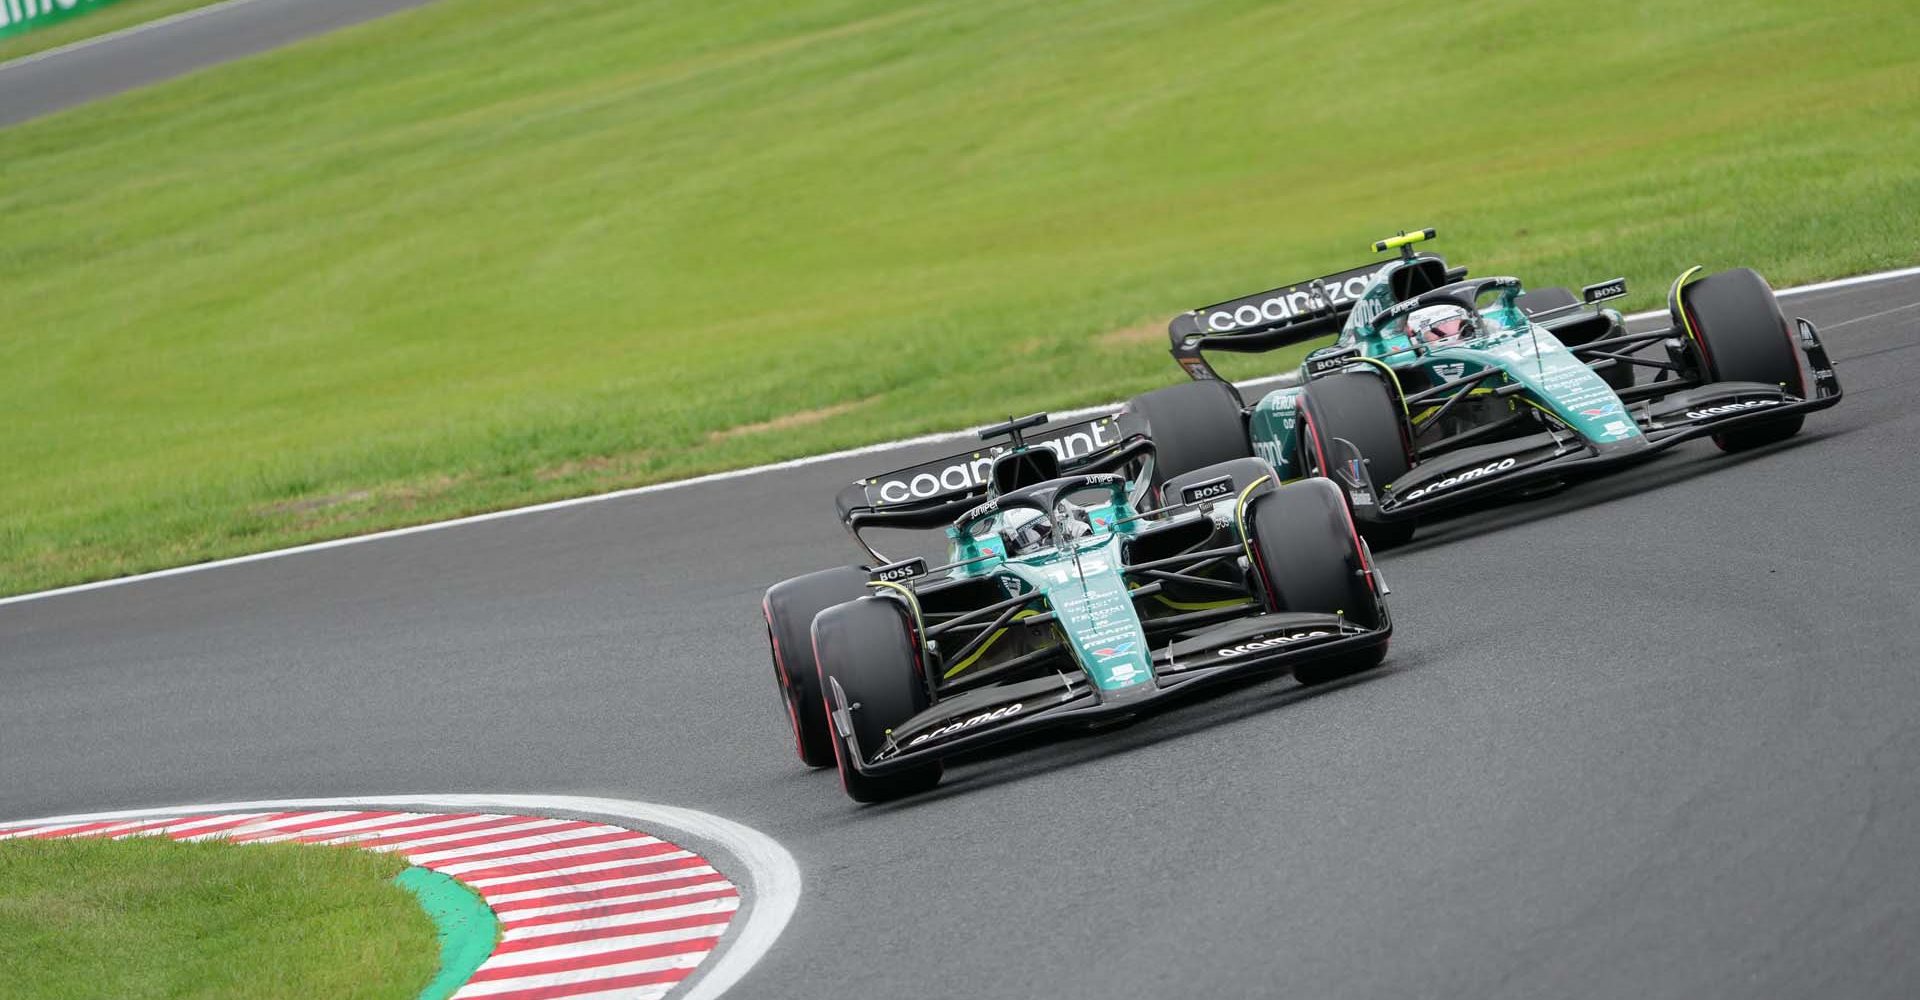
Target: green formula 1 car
1089 574
1442 391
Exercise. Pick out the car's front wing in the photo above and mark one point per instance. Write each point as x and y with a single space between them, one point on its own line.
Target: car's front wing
1471 474
1268 643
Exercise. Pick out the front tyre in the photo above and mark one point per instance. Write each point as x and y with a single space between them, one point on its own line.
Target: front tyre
1307 556
868 648
789 608
1744 337
1361 408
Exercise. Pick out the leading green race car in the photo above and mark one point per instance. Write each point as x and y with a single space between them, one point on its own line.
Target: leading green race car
1090 574
1442 391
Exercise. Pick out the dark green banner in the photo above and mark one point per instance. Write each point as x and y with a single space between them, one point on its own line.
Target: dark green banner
17 16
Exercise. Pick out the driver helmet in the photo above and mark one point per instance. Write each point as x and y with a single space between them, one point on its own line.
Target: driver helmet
1441 324
1026 530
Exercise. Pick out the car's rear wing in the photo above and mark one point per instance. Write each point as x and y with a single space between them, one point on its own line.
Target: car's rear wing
932 494
1278 317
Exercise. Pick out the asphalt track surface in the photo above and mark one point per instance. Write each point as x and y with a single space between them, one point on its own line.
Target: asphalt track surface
41 84
1657 737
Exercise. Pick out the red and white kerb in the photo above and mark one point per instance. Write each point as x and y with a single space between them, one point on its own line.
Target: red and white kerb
585 909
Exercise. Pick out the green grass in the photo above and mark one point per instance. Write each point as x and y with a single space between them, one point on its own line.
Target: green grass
488 252
154 918
100 21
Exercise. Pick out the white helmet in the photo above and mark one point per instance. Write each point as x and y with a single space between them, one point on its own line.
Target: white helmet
1025 531
1442 324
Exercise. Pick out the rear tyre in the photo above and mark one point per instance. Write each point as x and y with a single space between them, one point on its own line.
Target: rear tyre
1193 425
1307 556
870 651
789 608
1359 406
1744 337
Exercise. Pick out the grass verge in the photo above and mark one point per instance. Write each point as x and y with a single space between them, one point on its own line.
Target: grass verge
150 917
486 253
103 21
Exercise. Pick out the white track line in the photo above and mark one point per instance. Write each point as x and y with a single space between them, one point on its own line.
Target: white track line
770 872
132 29
716 477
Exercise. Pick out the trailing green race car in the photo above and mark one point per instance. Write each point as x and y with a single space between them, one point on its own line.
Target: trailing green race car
1089 575
1441 390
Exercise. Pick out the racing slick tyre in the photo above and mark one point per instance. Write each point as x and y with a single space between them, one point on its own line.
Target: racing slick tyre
1193 425
1359 406
868 649
789 608
1309 558
1743 337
